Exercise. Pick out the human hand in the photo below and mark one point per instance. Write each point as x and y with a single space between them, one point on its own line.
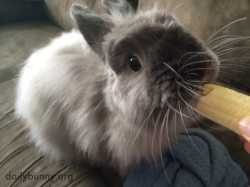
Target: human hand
244 130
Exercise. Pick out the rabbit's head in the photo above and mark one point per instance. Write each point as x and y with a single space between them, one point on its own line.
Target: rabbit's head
155 65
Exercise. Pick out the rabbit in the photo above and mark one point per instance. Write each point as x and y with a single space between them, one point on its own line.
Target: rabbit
117 90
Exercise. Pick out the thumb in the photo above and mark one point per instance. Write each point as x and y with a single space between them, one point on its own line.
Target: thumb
244 128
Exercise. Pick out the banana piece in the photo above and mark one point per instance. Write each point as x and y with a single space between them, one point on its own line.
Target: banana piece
224 106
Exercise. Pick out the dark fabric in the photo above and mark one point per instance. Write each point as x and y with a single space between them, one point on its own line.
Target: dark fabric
195 159
21 10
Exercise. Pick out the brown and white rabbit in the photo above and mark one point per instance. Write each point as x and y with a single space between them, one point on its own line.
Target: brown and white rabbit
117 91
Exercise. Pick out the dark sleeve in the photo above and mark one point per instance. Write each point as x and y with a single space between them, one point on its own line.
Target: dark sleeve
195 159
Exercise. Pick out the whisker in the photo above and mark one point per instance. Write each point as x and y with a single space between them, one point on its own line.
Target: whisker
193 107
145 134
184 125
162 162
142 126
194 116
197 69
244 66
236 21
195 55
152 145
223 52
196 86
188 89
178 62
195 81
191 114
177 74
177 7
243 58
224 36
175 129
197 62
195 74
167 134
185 101
227 43
194 110
175 110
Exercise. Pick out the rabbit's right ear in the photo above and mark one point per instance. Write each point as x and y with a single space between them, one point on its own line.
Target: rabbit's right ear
92 26
122 6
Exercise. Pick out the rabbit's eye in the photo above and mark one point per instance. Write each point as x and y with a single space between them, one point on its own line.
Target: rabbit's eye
134 63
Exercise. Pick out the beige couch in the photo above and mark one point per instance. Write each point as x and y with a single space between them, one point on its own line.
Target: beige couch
17 41
201 17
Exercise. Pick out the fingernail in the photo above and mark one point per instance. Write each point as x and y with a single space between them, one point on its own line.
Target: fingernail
244 126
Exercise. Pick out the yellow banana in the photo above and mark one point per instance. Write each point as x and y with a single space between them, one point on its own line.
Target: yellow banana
224 106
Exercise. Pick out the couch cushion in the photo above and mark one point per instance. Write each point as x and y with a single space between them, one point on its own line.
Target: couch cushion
206 17
21 10
200 17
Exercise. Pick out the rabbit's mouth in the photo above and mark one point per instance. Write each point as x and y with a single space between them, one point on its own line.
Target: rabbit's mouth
179 85
177 101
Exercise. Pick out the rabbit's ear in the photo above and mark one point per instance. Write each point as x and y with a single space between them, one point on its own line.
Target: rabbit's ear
122 6
92 27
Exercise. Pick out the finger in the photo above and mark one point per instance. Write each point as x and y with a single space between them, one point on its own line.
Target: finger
242 138
246 138
247 147
244 126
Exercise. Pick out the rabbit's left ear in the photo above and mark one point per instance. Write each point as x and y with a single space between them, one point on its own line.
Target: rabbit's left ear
92 27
